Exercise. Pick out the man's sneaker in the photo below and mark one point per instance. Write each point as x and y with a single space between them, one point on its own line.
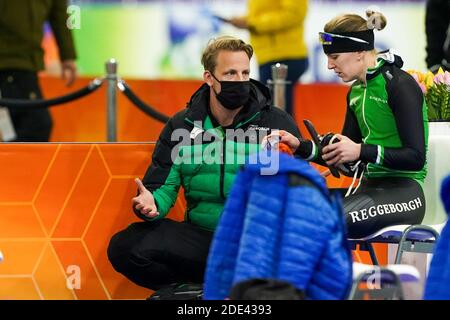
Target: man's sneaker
179 291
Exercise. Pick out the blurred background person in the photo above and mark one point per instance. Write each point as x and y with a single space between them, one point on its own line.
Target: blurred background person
22 57
437 27
276 33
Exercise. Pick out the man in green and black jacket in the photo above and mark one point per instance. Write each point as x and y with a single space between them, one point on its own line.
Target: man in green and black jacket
201 149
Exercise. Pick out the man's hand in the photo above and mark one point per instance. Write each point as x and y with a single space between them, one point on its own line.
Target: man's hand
341 152
68 71
144 202
285 137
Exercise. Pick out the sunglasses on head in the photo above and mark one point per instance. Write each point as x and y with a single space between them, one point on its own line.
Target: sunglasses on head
326 38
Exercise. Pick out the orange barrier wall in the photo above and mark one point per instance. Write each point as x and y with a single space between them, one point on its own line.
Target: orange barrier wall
59 206
61 203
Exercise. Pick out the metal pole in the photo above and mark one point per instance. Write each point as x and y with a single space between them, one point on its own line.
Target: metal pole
111 112
278 84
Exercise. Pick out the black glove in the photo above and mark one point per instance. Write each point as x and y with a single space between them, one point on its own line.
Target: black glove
347 169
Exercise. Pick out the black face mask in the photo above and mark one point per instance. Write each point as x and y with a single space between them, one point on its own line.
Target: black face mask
233 94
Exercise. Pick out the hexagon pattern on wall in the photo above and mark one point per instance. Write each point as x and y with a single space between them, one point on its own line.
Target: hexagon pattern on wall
59 206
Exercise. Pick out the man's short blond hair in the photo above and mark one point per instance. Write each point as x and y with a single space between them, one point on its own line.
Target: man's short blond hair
228 43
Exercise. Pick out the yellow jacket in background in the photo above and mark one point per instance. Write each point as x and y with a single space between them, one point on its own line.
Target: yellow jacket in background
276 29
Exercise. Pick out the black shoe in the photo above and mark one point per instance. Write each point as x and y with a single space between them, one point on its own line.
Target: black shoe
162 292
179 291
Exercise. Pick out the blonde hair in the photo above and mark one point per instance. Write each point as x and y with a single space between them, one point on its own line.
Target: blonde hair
229 43
353 22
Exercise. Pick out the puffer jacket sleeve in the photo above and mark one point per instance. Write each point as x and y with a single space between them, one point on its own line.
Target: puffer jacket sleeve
163 177
307 227
63 35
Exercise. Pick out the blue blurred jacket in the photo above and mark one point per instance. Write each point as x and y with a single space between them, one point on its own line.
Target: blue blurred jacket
275 227
438 281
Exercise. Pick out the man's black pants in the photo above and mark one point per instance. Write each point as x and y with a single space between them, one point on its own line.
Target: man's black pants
30 124
158 253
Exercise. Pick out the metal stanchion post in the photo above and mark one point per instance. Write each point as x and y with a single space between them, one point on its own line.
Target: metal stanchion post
111 76
278 84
